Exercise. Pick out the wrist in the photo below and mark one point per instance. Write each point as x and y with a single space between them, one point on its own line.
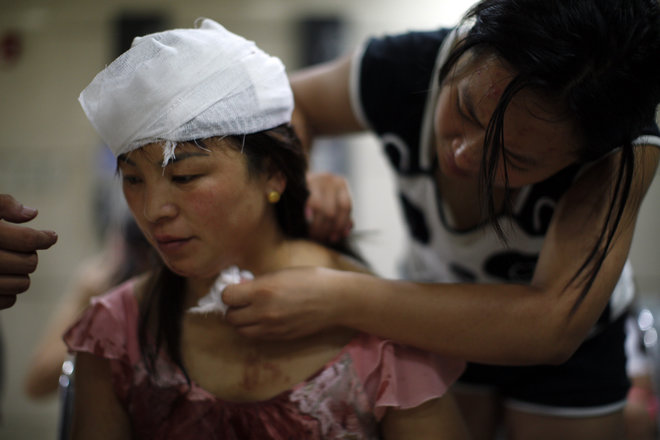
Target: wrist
353 303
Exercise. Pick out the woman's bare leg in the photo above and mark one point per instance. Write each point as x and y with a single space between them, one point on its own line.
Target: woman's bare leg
481 412
526 426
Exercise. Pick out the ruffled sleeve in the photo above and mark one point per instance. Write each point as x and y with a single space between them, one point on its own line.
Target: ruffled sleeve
108 327
398 376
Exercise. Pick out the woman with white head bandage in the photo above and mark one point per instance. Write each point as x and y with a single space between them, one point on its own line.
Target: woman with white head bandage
215 178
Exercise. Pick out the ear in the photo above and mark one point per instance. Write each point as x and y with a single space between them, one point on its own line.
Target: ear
276 182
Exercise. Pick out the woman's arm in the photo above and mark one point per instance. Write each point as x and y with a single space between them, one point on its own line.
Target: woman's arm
322 107
97 412
435 419
492 323
323 102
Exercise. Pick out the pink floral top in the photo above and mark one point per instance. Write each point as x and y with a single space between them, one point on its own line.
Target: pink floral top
345 399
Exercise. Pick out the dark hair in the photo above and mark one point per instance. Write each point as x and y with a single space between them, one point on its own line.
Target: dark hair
275 150
599 58
138 256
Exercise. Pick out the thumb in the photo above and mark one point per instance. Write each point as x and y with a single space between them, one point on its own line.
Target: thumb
237 295
13 211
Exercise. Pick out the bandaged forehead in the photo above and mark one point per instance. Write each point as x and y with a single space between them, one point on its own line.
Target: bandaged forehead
187 84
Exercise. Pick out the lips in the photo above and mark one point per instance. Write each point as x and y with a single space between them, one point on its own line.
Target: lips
168 243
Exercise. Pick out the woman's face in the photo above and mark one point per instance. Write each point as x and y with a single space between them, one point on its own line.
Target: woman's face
537 142
202 212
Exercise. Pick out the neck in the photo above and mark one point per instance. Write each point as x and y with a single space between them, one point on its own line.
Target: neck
271 255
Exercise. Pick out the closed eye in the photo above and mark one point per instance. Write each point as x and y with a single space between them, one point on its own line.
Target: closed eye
520 163
185 178
131 180
516 166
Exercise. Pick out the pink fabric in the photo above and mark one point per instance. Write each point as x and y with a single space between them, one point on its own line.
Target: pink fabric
345 399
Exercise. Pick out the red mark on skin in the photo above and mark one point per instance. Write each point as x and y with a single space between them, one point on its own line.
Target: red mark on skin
251 372
257 373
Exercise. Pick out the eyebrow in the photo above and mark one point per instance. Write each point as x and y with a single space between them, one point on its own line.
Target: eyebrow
124 159
177 158
185 155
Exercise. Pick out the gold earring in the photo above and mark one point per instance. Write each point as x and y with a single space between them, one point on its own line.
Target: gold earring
273 197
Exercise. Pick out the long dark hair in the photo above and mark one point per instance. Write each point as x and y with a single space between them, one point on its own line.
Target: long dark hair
268 151
599 58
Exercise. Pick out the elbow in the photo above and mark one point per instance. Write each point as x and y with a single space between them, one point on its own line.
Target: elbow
551 344
558 334
560 346
41 382
35 389
551 353
561 353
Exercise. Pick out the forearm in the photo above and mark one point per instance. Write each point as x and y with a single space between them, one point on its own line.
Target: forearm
322 101
501 324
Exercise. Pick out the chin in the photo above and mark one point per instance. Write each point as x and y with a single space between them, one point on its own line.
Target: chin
180 270
194 273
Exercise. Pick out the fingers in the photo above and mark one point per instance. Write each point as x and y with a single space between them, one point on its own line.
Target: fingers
13 211
329 207
17 262
12 285
23 239
18 246
277 306
236 295
7 301
14 270
247 313
19 238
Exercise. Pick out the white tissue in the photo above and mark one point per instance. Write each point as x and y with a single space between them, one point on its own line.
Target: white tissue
212 302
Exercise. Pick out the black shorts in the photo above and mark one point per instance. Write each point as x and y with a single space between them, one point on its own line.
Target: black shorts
592 382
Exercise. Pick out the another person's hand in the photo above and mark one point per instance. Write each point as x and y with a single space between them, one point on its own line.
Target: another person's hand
18 246
282 305
328 209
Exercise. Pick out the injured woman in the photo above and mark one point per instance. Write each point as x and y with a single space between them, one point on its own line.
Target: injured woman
199 122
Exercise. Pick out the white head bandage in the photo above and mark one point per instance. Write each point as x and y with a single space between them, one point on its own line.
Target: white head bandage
187 84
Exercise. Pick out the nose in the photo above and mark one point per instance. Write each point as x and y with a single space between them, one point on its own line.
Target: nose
467 154
158 203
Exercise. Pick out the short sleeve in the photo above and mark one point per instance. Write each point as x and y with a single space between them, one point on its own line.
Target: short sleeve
108 327
650 135
393 73
402 377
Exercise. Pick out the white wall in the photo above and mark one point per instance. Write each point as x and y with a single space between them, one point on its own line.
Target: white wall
47 147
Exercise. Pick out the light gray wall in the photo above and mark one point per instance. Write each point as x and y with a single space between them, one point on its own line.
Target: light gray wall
48 149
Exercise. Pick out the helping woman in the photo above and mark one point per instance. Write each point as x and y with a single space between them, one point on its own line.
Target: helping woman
523 143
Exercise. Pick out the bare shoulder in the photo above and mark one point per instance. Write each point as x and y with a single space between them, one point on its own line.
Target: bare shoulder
309 253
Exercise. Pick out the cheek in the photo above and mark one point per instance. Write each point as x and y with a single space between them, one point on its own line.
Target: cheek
208 204
224 207
442 122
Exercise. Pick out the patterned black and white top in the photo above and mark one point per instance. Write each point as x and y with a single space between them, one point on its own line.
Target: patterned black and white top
394 88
